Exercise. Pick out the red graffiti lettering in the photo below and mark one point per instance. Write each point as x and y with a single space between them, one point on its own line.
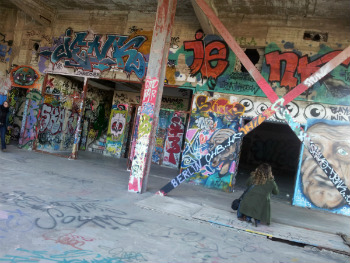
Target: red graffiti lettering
284 67
210 59
176 130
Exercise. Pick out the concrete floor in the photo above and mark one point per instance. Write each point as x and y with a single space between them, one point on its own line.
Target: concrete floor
57 210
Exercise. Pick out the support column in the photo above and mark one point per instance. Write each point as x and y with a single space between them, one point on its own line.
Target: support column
152 96
77 133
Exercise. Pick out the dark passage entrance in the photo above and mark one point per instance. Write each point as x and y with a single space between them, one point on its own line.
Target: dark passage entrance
276 144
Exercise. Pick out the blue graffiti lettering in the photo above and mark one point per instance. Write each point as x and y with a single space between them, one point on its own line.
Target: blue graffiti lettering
118 51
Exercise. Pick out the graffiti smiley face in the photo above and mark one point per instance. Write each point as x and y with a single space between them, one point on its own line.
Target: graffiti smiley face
24 76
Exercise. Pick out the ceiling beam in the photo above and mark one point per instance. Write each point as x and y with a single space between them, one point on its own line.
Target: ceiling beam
206 25
36 9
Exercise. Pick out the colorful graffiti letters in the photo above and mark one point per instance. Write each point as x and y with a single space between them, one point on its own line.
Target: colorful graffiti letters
210 59
151 87
174 140
295 64
219 106
87 55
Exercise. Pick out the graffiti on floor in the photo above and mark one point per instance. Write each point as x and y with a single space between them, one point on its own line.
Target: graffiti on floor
70 256
75 214
14 221
67 237
313 188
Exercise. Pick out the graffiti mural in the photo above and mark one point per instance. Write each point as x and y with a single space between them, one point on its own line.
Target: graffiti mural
98 105
116 133
101 53
209 128
161 134
5 85
175 103
59 115
30 119
207 64
17 99
125 97
57 127
173 143
24 77
288 69
313 188
5 53
301 111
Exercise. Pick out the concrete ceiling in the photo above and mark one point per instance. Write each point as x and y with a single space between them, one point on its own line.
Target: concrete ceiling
337 9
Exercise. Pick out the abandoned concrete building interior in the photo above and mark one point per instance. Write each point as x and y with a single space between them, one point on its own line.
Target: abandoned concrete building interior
210 88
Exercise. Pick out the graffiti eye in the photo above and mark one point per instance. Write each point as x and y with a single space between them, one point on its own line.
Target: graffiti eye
248 104
342 152
315 111
261 107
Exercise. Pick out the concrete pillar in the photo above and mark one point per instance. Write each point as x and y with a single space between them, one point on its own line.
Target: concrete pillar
152 95
77 132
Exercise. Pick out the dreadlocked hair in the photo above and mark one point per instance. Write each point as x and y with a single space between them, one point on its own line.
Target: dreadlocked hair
262 173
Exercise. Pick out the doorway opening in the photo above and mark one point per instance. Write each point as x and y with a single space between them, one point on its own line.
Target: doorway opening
275 144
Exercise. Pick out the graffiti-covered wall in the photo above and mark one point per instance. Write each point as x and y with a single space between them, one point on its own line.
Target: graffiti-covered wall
313 188
208 64
301 111
169 138
116 132
98 104
29 125
59 114
213 120
286 69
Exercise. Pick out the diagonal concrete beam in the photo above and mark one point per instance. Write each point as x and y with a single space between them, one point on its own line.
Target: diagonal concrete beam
206 25
36 9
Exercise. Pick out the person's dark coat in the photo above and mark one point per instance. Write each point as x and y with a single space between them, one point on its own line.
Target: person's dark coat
4 115
256 202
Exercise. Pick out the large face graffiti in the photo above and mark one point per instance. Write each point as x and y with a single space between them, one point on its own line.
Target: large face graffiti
24 77
314 188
